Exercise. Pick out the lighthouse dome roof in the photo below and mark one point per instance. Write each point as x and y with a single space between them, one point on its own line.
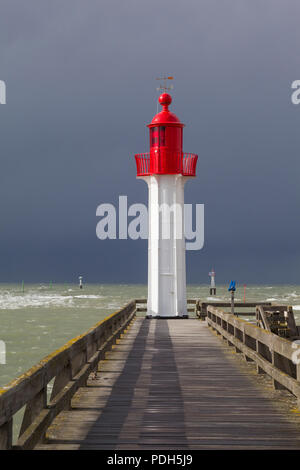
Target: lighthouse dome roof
165 116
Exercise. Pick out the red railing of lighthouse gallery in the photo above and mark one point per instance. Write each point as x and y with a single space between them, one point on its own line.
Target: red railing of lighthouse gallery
185 164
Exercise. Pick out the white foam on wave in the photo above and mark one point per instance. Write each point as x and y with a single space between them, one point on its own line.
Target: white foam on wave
113 305
9 301
88 296
14 301
296 307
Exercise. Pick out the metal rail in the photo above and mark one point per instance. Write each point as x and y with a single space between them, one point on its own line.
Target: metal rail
186 164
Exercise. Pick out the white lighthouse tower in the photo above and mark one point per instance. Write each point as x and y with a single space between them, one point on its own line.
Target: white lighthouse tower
166 169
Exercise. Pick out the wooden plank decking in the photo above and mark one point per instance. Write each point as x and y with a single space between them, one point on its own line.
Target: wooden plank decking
173 384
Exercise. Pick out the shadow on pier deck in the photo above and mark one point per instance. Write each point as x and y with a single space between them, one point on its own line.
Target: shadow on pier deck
172 384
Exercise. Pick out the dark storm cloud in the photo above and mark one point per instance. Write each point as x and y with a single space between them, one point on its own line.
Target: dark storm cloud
80 89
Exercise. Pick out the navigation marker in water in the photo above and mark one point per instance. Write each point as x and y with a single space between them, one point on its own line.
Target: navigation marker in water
213 289
80 282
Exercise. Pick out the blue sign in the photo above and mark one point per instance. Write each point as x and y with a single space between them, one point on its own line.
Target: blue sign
232 286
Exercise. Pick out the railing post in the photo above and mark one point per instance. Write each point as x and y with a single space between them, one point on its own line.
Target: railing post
33 409
217 324
226 328
276 384
203 310
259 370
61 381
237 350
298 380
6 435
247 358
78 361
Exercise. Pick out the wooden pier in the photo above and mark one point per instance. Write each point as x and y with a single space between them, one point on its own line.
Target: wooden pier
134 383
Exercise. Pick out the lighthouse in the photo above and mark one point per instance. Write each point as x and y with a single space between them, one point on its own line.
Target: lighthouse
165 169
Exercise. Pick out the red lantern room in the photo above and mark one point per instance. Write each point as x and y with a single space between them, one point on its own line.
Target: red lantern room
166 156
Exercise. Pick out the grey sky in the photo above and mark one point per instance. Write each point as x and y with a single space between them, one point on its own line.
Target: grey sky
80 79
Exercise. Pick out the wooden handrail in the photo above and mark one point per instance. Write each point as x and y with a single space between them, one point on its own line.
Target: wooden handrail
271 353
70 367
201 307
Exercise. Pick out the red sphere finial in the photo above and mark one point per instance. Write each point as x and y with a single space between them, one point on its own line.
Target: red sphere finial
165 99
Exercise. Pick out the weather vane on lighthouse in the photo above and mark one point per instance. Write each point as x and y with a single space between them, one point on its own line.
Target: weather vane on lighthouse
165 87
166 169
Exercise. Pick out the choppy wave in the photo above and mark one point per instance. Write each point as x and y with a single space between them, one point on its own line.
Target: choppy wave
88 296
10 301
41 296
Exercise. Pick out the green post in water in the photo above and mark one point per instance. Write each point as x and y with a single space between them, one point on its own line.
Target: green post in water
50 284
22 286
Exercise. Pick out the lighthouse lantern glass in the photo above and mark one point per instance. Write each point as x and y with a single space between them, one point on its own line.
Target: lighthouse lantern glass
158 136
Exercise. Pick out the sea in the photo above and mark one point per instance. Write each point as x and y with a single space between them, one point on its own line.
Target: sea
37 319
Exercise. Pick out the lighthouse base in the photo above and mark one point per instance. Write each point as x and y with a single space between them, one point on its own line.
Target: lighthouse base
162 317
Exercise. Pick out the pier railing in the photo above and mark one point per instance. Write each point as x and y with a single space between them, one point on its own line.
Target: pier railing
272 355
201 307
70 367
